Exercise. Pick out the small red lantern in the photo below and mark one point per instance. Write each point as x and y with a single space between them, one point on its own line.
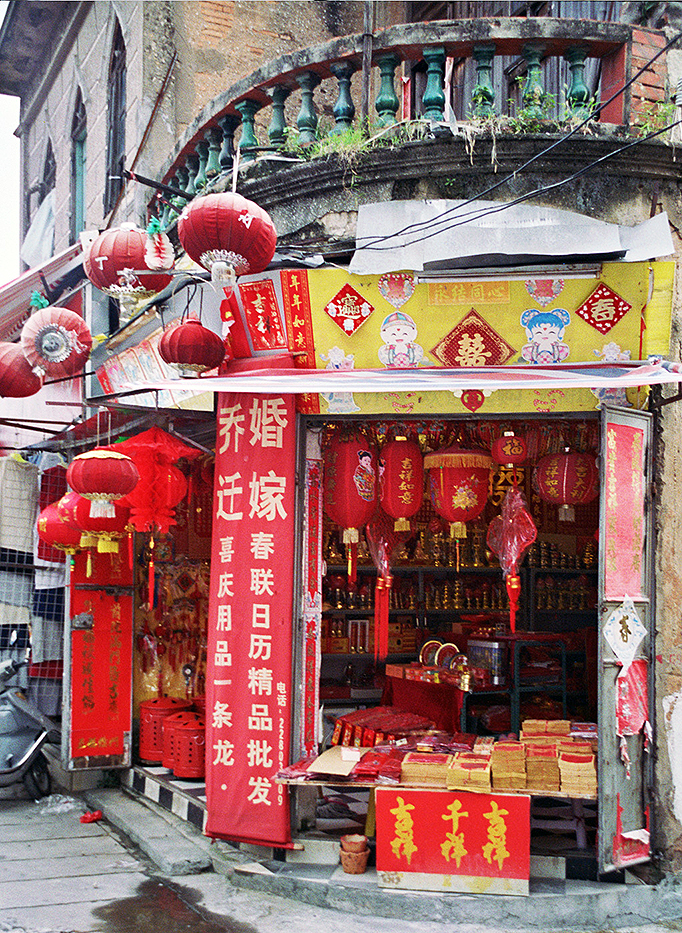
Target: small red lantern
458 483
192 348
102 476
115 259
509 449
230 229
350 489
401 481
17 379
56 342
567 479
58 531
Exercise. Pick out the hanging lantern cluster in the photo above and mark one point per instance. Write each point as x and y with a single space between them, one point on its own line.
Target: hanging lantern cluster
102 475
567 479
192 348
228 235
129 264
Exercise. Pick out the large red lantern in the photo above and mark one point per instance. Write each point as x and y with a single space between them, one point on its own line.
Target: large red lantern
115 260
192 348
350 489
401 481
102 532
17 379
567 479
458 484
56 342
102 476
227 228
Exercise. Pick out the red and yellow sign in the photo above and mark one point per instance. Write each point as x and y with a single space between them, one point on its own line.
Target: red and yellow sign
248 708
452 835
101 659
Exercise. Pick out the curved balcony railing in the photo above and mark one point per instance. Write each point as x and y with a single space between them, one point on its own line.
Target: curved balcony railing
467 64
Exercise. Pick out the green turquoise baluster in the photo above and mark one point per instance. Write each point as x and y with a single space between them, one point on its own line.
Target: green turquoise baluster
533 91
578 96
248 109
192 164
387 103
483 95
228 124
202 154
344 108
278 124
433 101
307 118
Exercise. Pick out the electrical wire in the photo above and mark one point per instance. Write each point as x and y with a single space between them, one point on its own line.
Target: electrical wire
484 212
427 223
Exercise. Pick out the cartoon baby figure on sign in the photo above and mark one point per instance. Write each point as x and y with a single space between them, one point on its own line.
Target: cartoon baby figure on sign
545 331
399 332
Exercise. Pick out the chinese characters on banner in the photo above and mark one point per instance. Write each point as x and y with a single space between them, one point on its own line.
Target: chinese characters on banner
101 660
452 833
624 531
248 707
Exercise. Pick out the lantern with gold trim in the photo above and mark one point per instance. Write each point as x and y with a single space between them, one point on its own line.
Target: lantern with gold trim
58 530
350 490
401 481
458 485
567 479
192 348
102 475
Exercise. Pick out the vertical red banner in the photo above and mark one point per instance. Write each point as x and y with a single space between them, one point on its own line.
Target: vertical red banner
624 531
312 601
249 676
299 321
101 658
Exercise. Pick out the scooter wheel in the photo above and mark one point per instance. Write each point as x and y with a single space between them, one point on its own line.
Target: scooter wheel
37 780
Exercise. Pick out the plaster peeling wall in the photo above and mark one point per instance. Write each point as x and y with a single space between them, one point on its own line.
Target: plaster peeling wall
672 709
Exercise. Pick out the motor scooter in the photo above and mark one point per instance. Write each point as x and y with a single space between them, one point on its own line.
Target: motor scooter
24 730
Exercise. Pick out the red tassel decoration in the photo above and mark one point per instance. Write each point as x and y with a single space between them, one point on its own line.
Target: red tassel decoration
352 562
151 573
382 596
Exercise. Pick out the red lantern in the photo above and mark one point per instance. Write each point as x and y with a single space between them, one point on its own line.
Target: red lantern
102 476
509 450
58 531
350 489
17 379
401 481
227 228
567 479
192 348
458 483
100 531
115 258
56 342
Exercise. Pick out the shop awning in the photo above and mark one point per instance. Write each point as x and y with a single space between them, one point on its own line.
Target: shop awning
429 379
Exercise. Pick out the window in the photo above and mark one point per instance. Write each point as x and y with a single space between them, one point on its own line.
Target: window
116 115
78 137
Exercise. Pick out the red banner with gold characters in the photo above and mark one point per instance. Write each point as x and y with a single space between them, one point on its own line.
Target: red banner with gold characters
101 657
248 708
452 833
624 531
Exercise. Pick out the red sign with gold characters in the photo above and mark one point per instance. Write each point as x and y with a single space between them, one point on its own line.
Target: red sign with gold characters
625 505
101 658
451 833
248 708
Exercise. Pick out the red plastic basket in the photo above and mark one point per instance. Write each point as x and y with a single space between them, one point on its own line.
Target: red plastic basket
189 748
170 723
152 715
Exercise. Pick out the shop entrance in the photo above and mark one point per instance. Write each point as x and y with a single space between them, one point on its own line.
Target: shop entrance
455 679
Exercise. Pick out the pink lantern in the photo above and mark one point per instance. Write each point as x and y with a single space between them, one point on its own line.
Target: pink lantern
56 342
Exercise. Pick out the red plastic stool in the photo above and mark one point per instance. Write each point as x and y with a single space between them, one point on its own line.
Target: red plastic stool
152 715
189 746
169 726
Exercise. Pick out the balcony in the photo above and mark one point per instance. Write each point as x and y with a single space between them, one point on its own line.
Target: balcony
429 110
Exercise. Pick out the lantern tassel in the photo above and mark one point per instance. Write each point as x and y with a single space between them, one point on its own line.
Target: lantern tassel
382 595
102 508
131 548
513 583
88 564
151 573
